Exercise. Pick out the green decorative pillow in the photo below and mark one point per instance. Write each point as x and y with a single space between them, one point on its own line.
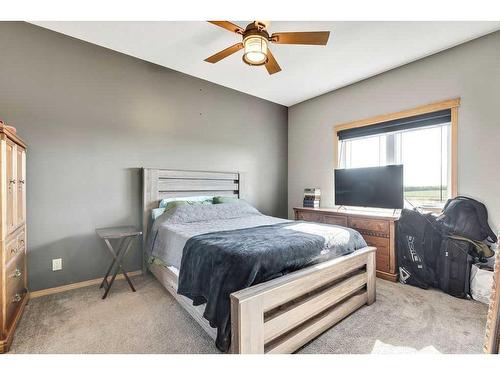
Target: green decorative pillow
174 204
156 212
218 200
205 199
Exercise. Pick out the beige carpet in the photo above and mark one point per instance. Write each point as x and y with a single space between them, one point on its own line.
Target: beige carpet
403 319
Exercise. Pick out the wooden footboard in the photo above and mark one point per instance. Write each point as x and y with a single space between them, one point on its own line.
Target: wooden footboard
283 314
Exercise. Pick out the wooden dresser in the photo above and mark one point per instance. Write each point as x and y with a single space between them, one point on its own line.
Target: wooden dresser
13 280
377 229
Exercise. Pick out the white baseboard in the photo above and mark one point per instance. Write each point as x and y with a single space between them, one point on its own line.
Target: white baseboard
81 284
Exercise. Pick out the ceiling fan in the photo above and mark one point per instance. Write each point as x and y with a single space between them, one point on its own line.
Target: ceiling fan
256 43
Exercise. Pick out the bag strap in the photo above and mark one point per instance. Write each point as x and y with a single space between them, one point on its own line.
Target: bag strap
481 247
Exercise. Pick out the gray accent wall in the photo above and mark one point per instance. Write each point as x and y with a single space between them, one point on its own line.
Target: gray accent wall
92 117
470 71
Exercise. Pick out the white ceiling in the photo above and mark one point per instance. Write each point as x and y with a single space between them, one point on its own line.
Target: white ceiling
355 51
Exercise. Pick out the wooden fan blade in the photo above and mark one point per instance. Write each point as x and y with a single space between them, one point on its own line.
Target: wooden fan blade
272 65
228 26
224 53
308 37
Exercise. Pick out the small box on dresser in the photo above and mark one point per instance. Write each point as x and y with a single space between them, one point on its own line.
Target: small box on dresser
13 271
378 230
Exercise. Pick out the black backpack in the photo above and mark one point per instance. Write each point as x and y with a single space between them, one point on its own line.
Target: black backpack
468 218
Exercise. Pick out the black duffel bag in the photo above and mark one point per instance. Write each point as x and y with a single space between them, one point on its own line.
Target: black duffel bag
454 267
468 218
418 244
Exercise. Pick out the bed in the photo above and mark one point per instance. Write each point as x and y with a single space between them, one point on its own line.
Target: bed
272 313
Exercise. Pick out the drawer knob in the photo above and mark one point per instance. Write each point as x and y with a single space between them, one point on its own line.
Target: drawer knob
12 181
21 181
16 298
17 273
13 250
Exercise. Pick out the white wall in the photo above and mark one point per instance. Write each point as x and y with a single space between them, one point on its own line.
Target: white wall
470 71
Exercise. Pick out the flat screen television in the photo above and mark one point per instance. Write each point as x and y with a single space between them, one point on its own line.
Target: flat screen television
380 187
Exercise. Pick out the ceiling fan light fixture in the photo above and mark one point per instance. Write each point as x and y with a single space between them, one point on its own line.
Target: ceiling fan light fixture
255 50
256 39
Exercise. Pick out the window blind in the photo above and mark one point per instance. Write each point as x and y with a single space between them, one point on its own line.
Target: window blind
426 119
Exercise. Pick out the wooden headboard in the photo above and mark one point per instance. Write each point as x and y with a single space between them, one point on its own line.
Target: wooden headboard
158 184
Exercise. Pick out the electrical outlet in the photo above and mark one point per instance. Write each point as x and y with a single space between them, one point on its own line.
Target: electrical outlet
56 264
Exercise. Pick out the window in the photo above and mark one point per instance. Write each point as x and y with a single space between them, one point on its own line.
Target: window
424 143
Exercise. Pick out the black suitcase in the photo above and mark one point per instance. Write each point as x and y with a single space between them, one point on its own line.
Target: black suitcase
418 245
454 266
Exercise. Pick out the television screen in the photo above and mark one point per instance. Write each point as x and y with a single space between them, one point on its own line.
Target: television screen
380 187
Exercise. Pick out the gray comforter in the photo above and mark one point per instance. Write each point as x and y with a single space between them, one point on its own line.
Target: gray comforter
214 265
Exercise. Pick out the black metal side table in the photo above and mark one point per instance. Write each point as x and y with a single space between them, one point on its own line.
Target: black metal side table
124 237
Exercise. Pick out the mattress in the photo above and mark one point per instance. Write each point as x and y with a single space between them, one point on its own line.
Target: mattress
171 238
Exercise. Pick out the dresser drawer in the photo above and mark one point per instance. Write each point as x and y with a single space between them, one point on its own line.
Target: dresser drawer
370 225
335 220
16 244
10 250
21 241
383 263
310 216
382 244
15 288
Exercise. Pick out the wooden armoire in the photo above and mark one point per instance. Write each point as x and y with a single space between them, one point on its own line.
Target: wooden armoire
13 272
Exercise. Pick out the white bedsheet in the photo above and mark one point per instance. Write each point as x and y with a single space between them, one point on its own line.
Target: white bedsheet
171 238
